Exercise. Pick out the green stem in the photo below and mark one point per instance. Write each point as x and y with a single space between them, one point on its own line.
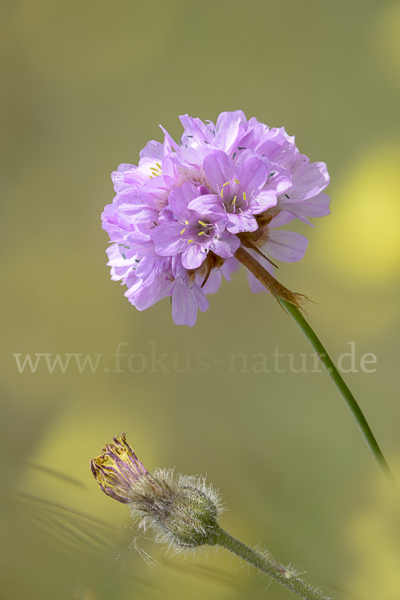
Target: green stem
341 386
268 565
288 300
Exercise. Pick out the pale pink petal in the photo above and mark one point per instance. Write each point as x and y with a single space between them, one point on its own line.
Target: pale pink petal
230 266
309 182
185 301
241 222
152 149
225 245
252 175
286 245
318 206
213 282
219 169
147 296
193 256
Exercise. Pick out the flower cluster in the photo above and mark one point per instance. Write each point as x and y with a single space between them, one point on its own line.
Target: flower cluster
181 511
179 217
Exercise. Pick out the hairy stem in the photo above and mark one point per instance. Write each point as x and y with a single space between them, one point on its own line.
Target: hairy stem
269 566
290 303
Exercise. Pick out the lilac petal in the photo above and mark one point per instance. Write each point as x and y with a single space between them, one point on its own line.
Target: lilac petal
166 216
230 266
189 158
282 218
209 204
147 296
153 264
309 182
264 200
213 282
146 269
118 273
194 256
219 169
118 177
126 179
318 206
196 132
169 170
180 198
200 298
120 255
132 282
286 245
171 142
152 149
137 239
240 222
278 146
167 239
116 227
203 190
255 285
185 301
137 213
228 127
252 175
225 245
124 167
158 189
225 119
280 182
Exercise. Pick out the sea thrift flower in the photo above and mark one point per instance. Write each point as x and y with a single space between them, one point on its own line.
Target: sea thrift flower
179 218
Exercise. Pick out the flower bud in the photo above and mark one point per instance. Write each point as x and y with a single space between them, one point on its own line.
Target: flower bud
182 511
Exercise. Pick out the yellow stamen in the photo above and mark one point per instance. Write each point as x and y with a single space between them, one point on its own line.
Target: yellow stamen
190 241
244 195
183 230
158 165
236 181
201 223
202 233
227 183
186 222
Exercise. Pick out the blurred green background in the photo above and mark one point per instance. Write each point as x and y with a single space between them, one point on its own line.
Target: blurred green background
85 85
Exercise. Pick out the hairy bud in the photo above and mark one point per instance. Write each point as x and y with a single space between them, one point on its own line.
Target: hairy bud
180 510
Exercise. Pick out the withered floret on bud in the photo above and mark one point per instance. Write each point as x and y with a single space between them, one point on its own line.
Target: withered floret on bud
181 510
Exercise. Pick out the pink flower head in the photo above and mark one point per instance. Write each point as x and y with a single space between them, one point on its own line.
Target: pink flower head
187 208
191 233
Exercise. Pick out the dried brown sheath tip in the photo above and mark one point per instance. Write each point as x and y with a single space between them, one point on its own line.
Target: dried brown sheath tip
268 281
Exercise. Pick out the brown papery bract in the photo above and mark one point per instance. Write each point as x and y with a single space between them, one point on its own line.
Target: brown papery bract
269 282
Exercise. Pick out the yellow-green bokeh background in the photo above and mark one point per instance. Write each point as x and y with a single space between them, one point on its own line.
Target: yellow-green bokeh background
85 85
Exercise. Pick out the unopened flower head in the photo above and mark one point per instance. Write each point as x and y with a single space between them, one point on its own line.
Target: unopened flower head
182 511
179 217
